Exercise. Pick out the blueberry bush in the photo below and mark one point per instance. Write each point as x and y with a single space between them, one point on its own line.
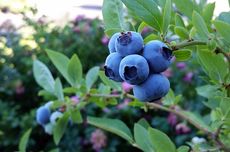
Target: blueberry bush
180 32
18 90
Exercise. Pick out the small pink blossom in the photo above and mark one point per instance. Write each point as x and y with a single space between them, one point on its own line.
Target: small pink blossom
86 28
182 128
20 89
104 40
188 77
106 110
75 99
181 65
124 103
168 73
79 18
126 87
172 119
98 139
115 92
77 29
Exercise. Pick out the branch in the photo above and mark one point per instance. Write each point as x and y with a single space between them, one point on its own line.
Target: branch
153 105
196 42
179 114
106 95
187 43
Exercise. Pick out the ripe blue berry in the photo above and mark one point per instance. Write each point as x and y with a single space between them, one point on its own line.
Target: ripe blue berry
155 87
134 69
112 41
111 67
55 116
129 43
158 56
42 115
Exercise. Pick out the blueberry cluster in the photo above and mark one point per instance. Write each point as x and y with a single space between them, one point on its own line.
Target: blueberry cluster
46 118
138 64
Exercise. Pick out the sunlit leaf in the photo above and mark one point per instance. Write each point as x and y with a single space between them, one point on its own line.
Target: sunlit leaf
112 125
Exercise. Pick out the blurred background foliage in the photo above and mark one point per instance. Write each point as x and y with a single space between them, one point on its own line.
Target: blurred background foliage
85 37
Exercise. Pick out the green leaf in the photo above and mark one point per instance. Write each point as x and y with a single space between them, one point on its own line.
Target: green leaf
161 3
183 54
143 122
183 149
223 29
60 61
54 150
91 77
200 25
151 37
74 70
43 76
179 21
186 7
170 99
112 125
58 89
161 141
70 90
109 82
182 32
225 106
60 127
147 11
76 116
208 12
225 17
113 17
213 64
197 119
167 16
24 140
142 138
111 31
207 91
141 27
46 94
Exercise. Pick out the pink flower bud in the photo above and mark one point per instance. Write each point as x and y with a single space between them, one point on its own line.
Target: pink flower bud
182 128
181 65
104 40
98 139
168 73
188 77
172 119
126 87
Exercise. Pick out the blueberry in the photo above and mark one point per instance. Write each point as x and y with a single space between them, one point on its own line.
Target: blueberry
111 44
55 116
42 115
158 56
111 67
134 69
129 43
154 88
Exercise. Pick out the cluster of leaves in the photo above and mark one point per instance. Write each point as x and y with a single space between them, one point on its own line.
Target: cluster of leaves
186 30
